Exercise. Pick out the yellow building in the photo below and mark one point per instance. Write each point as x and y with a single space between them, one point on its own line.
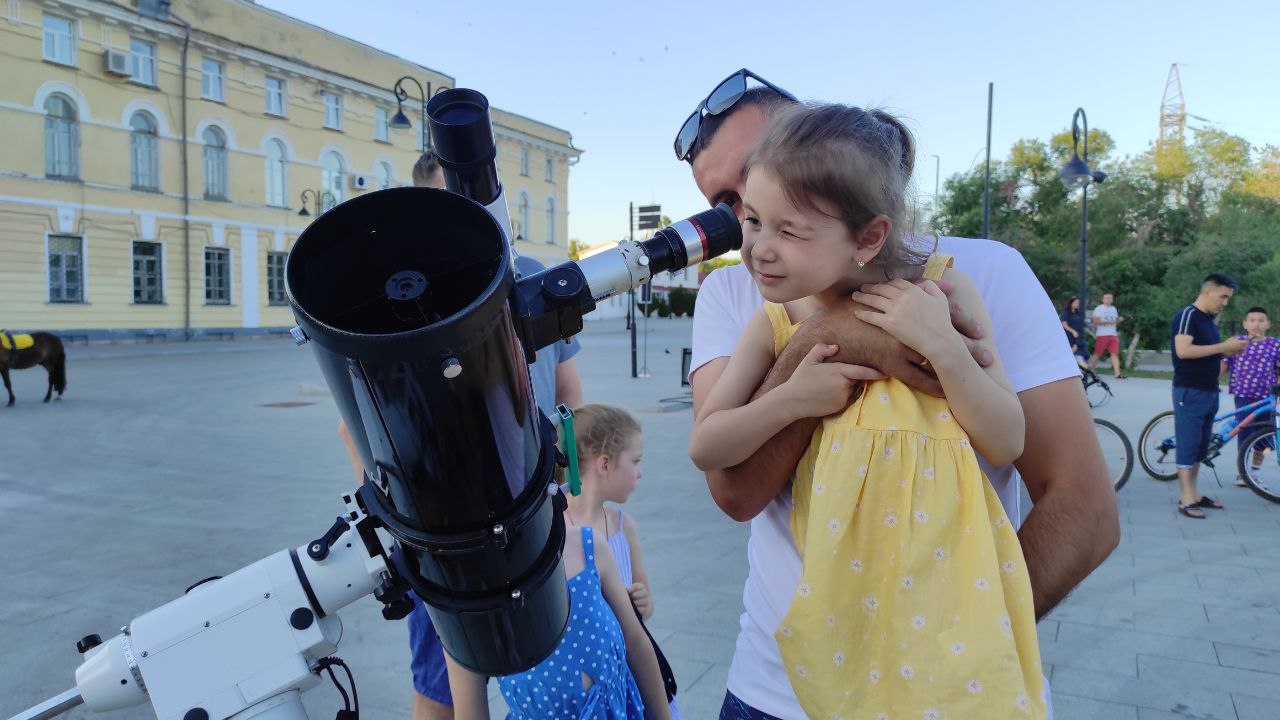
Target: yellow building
153 170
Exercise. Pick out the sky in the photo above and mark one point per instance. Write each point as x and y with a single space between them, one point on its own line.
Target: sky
622 77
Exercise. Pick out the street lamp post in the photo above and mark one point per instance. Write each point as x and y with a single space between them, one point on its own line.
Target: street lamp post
1076 173
320 198
400 121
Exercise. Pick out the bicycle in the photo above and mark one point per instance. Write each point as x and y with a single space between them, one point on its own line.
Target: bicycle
1264 478
1116 448
1095 389
1157 445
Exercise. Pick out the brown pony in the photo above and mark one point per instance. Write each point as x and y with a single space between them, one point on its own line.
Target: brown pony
46 351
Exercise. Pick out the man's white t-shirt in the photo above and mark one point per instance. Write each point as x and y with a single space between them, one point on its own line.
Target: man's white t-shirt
1029 339
1106 314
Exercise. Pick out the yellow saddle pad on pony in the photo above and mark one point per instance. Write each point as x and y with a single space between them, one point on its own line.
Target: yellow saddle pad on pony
15 342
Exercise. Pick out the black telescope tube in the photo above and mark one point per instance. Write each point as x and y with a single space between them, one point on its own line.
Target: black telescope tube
405 295
463 137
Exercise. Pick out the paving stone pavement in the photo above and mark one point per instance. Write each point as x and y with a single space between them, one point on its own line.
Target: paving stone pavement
162 467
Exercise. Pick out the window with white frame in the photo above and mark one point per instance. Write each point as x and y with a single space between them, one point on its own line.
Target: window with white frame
143 54
143 152
147 286
381 124
385 175
522 212
217 276
61 138
66 269
274 92
551 170
59 40
331 177
212 80
524 161
551 221
275 173
215 164
332 110
275 278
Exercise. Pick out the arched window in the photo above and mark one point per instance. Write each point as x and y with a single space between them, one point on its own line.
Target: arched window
275 173
331 178
61 138
385 175
215 164
551 221
143 154
522 214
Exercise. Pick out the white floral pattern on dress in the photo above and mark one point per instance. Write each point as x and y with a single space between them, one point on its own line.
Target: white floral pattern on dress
981 584
838 659
973 686
957 648
891 519
819 488
932 714
944 416
884 398
870 603
835 448
917 622
907 672
873 675
907 582
1022 702
921 516
856 565
1008 566
939 554
928 473
803 590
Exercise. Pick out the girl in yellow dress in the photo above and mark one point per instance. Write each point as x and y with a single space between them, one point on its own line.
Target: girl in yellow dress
914 600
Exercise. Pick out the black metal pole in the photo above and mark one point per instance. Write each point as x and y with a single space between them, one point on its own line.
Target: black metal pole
631 224
1084 209
1084 248
986 184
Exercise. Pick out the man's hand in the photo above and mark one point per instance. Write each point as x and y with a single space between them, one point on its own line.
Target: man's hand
819 387
862 343
1235 346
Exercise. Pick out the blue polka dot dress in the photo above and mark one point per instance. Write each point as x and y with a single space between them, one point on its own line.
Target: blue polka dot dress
592 646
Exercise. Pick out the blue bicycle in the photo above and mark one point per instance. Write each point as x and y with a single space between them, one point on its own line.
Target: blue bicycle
1256 462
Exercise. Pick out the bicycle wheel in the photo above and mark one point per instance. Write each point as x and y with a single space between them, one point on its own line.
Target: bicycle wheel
1156 450
1116 450
1098 393
1265 478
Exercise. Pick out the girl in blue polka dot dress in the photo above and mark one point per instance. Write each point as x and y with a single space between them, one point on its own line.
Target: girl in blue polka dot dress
604 667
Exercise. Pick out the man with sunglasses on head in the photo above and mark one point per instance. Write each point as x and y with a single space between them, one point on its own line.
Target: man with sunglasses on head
1073 525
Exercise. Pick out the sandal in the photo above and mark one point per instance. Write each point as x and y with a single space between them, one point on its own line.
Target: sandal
1122 376
1207 502
1190 510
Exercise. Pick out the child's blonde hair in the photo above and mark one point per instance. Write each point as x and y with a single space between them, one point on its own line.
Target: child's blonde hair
603 430
858 162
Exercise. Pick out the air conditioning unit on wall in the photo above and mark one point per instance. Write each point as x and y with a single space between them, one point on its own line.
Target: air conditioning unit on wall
360 182
118 63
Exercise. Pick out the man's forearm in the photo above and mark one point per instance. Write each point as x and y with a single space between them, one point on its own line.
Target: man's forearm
743 490
1073 525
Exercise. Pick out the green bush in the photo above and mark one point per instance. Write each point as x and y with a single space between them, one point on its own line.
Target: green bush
682 301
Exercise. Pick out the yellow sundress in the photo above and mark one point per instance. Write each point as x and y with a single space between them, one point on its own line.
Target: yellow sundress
915 600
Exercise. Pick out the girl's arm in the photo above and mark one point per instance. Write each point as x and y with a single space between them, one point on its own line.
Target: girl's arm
640 655
470 692
982 400
641 595
731 426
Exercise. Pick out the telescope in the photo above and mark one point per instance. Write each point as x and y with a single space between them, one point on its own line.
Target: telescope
410 301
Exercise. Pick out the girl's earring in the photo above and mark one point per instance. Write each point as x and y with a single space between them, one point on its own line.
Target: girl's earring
862 263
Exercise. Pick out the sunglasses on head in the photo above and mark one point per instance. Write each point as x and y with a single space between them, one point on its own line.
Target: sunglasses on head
725 96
